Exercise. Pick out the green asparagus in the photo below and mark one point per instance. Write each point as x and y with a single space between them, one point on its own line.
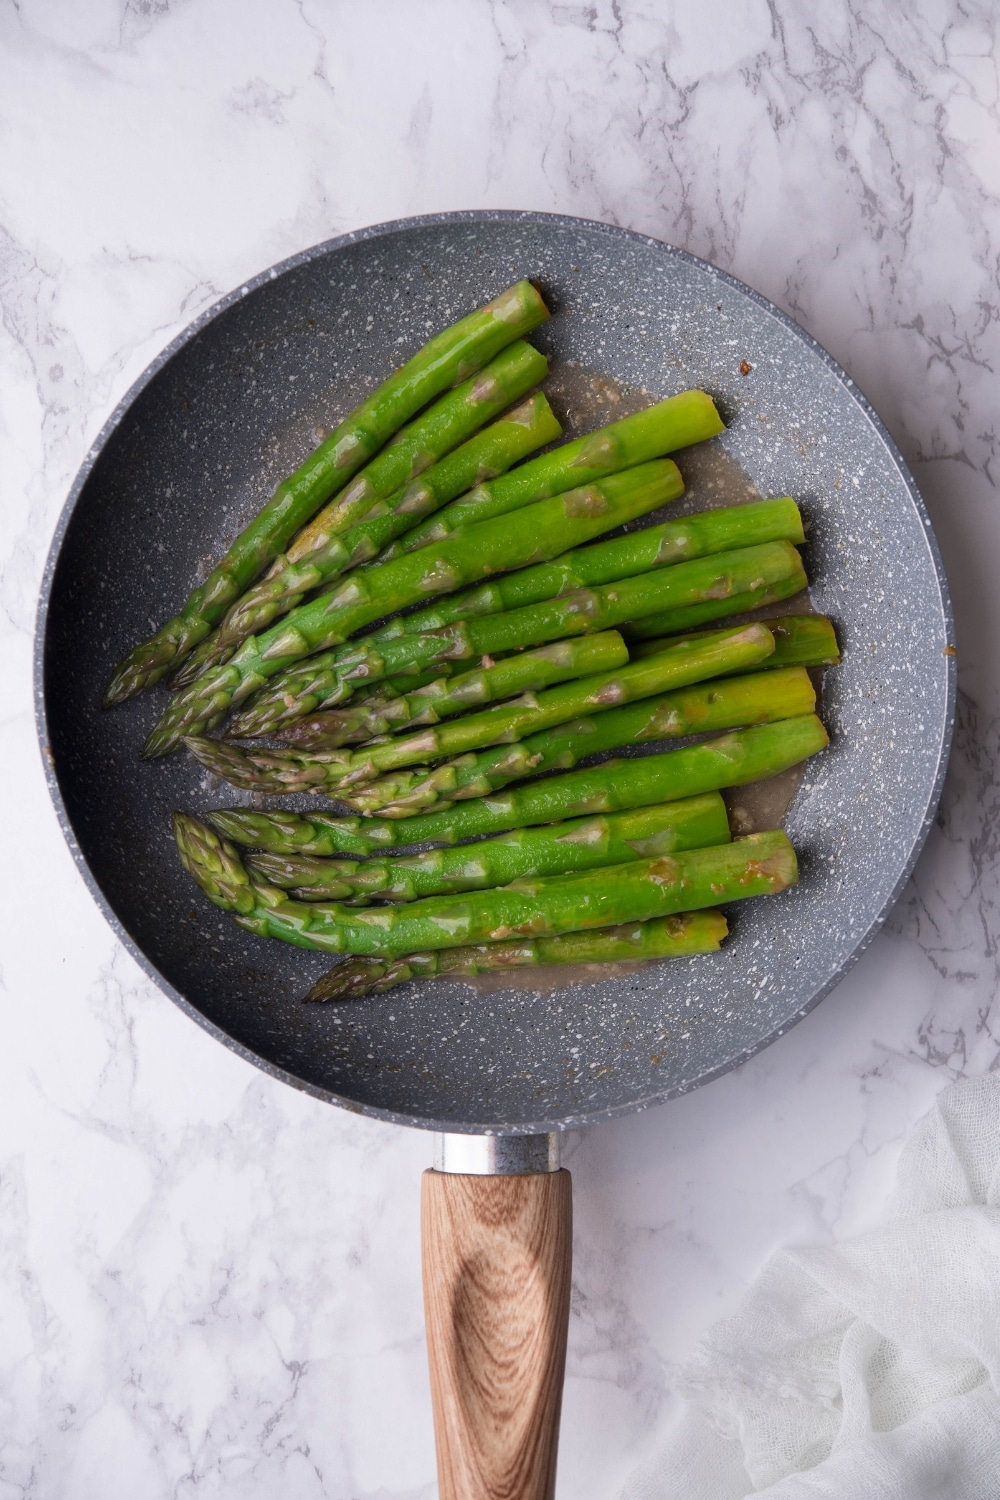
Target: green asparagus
521 431
687 617
324 681
605 562
340 772
675 423
722 654
760 864
803 640
695 710
407 682
449 357
578 844
662 937
731 760
525 672
799 640
538 532
502 382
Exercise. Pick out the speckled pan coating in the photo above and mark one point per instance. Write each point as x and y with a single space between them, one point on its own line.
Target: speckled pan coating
233 405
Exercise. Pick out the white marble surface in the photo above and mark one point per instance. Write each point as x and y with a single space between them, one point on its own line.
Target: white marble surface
209 1284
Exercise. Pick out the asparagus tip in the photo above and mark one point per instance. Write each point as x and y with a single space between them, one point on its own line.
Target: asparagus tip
213 863
127 680
346 980
156 745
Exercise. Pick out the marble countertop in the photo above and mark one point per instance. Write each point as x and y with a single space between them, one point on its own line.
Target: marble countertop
209 1283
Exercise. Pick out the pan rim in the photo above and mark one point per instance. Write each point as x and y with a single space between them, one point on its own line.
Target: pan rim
216 309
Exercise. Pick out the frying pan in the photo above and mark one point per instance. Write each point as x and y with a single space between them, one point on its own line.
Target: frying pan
198 444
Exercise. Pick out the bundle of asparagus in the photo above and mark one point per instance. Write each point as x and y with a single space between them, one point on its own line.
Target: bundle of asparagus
551 600
805 640
554 849
451 357
341 771
517 666
747 755
759 864
542 530
305 568
678 810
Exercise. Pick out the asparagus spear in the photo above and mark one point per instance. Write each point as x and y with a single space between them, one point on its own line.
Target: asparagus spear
799 640
526 672
407 682
622 557
449 357
529 426
731 760
539 531
339 772
675 423
706 707
662 937
687 617
577 844
329 678
758 865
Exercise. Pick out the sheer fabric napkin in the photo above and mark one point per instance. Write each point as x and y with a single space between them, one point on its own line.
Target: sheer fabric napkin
868 1370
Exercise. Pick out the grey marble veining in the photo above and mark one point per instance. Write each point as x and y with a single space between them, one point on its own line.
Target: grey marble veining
209 1283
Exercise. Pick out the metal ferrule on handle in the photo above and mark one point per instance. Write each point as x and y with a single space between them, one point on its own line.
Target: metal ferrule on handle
497 1155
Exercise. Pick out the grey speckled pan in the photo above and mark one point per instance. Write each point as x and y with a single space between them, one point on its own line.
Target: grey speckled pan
233 405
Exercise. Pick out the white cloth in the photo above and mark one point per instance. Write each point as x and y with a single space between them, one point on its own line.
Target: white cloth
868 1370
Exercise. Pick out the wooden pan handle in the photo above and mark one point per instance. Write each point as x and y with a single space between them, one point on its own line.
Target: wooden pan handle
497 1257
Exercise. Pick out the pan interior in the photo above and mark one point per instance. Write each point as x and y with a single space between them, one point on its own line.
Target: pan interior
239 404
